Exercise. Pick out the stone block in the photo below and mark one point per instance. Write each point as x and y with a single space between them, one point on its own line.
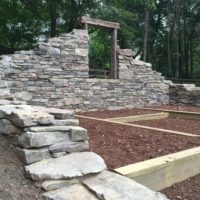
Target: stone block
7 128
68 146
41 139
75 192
69 166
29 156
57 184
110 186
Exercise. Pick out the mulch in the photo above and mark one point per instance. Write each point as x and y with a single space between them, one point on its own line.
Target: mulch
121 145
176 124
186 190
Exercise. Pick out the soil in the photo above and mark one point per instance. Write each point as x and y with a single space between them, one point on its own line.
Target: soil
13 183
176 124
117 113
121 145
186 190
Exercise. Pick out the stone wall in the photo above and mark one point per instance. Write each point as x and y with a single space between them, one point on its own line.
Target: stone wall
184 94
56 74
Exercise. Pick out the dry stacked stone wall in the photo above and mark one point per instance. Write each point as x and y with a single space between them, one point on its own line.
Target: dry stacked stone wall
55 74
184 94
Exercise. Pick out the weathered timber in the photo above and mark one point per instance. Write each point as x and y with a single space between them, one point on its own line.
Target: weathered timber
114 71
135 118
100 23
162 172
140 126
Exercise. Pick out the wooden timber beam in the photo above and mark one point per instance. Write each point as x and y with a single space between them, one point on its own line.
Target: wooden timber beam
100 23
164 171
140 126
135 118
179 114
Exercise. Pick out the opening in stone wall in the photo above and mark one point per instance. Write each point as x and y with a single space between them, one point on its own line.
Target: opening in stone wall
99 53
103 48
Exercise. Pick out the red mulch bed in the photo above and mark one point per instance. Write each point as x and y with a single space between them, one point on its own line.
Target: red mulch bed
117 113
176 124
121 145
186 190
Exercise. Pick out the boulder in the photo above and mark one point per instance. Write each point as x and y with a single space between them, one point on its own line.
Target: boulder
7 128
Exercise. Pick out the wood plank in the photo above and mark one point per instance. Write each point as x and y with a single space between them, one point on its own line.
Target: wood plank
135 118
100 23
180 114
162 172
114 71
140 126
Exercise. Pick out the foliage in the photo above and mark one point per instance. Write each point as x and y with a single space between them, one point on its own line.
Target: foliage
165 33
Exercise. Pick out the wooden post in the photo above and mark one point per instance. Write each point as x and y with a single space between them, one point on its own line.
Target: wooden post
85 26
114 71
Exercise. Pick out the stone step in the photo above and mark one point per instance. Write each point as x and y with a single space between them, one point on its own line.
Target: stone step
74 192
75 133
69 146
69 166
41 139
29 156
111 186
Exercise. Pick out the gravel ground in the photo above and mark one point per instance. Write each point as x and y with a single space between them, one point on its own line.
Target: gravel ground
121 145
176 124
13 184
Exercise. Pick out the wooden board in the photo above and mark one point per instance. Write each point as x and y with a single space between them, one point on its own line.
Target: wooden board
135 118
180 114
100 23
140 126
162 172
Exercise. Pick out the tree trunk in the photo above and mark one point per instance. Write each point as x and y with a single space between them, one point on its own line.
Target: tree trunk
53 17
146 31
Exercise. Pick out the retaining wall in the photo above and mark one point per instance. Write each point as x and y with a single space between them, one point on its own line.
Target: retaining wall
184 94
55 74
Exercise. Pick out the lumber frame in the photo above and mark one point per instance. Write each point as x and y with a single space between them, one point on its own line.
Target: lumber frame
164 171
140 126
180 114
135 118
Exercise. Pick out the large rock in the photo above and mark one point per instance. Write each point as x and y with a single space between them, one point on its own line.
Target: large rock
25 116
69 166
111 186
74 192
57 113
69 146
7 128
29 156
75 133
41 139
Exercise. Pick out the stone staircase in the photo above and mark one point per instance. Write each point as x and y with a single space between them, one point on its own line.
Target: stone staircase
55 152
